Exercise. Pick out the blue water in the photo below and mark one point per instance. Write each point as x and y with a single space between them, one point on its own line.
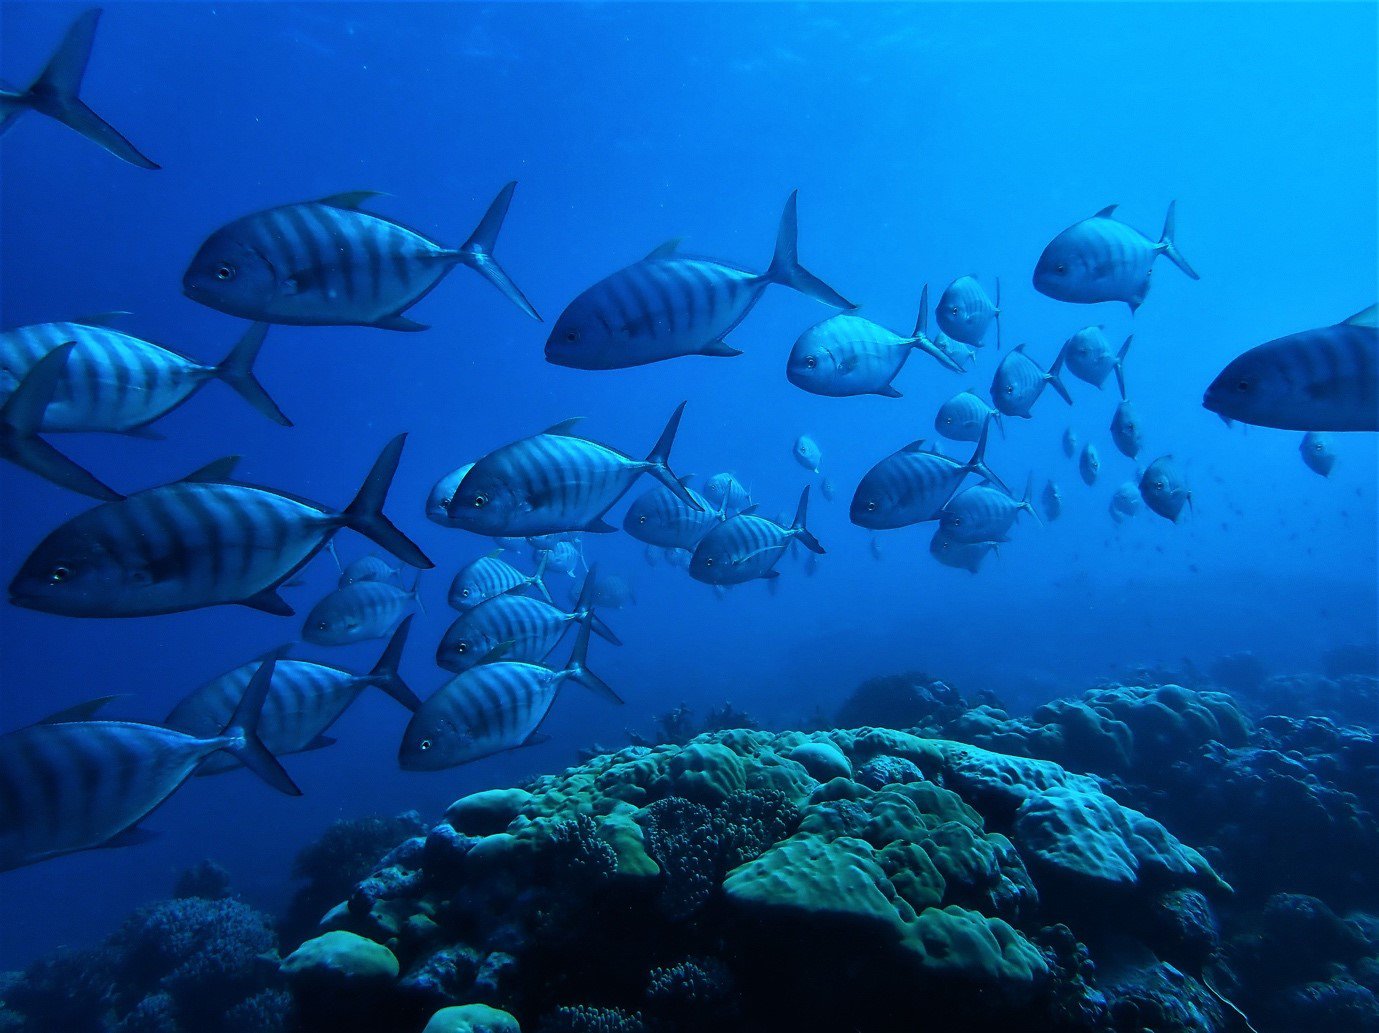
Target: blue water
925 141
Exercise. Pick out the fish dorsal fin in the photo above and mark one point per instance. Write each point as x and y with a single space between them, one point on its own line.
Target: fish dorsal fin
1106 213
1020 348
665 250
565 428
350 200
79 712
1365 318
101 318
217 472
914 446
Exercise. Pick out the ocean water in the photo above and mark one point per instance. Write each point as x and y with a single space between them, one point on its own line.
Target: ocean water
926 141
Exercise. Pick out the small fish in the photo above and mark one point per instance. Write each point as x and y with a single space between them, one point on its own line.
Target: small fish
1052 501
329 263
1088 357
358 612
561 557
747 546
200 541
811 564
660 518
70 783
1125 502
490 576
557 481
875 546
1019 382
913 485
438 501
984 514
1125 430
679 558
966 556
1163 488
1103 259
650 554
1326 379
1089 464
724 491
369 568
668 305
827 490
55 94
963 416
1069 442
1317 452
490 708
807 454
612 592
965 312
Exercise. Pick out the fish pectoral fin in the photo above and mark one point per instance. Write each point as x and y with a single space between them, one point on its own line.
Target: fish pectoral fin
269 601
133 836
887 392
536 739
399 322
770 575
318 743
720 348
597 526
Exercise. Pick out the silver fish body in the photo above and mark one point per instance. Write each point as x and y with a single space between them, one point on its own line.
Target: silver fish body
965 312
981 513
746 547
1052 501
1069 442
963 416
724 491
807 453
1163 488
369 568
1318 452
533 628
488 577
1089 464
1089 357
1125 502
912 485
950 552
1125 430
438 500
658 517
1019 381
357 612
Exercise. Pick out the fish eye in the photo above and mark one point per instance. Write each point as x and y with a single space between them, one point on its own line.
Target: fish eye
957 521
225 271
464 593
424 745
810 362
641 519
1060 268
953 309
1158 485
1010 389
572 336
59 574
480 501
871 507
321 625
462 648
708 562
1244 385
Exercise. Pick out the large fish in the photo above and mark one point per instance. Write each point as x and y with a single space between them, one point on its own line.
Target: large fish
556 481
1126 431
669 305
494 707
117 383
965 312
984 514
1088 357
1326 379
1163 488
747 546
197 542
304 700
950 552
438 501
1103 259
328 263
1317 452
659 517
912 485
55 94
847 355
963 416
1019 381
69 783
359 611
490 576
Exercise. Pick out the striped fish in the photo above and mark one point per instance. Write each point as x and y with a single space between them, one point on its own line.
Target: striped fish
117 383
658 517
724 491
304 700
1326 379
490 576
369 568
746 546
963 416
55 94
960 555
1125 430
669 305
1318 453
491 708
912 485
1163 488
965 312
1103 259
70 783
200 541
1088 357
561 557
1089 464
556 481
358 612
438 501
984 514
1019 382
530 628
327 263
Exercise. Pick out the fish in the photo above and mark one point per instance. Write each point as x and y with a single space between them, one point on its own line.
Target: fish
679 558
965 312
562 557
557 481
1089 357
1125 430
1069 442
846 355
1163 488
530 628
963 416
1019 382
724 491
1103 259
746 547
56 93
874 546
964 355
966 556
982 513
827 490
1125 502
330 263
490 576
659 517
491 708
359 611
613 592
807 454
71 783
201 541
669 305
913 485
811 565
369 568
1052 501
438 500
650 554
120 384
1325 379
1089 464
1318 452
21 418
304 700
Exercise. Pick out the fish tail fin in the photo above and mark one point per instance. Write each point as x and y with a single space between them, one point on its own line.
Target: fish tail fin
415 592
577 669
1027 502
798 528
243 733
21 418
998 313
1054 375
977 464
785 265
1169 246
922 320
55 92
477 252
658 461
365 513
1120 365
384 673
584 608
999 418
539 578
237 371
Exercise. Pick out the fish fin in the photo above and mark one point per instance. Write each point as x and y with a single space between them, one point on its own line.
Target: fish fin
55 92
237 371
1120 365
1367 317
914 446
887 392
997 303
785 267
922 320
243 730
144 433
665 250
1027 503
415 593
565 428
21 418
269 601
1000 422
497 652
79 712
1169 247
399 322
132 836
1107 213
720 348
658 461
350 200
365 513
1054 380
584 608
384 673
977 464
217 472
598 526
538 580
929 348
577 669
318 743
603 631
797 525
102 319
477 252
536 739
685 479
771 576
